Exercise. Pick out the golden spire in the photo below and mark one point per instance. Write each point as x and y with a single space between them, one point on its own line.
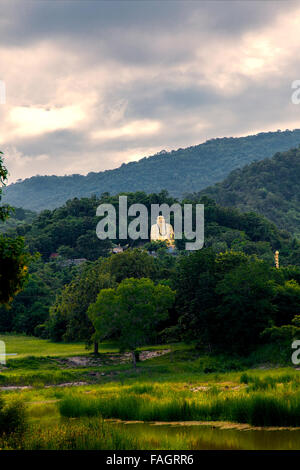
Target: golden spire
276 257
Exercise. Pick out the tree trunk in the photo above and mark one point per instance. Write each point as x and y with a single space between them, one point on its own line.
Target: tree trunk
137 356
133 359
96 348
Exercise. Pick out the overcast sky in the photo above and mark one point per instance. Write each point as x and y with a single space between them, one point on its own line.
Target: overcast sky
93 84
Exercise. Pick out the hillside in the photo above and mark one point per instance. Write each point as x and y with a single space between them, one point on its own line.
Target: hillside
70 229
67 233
18 216
269 187
179 171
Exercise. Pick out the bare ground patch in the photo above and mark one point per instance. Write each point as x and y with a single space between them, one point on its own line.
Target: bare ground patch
107 359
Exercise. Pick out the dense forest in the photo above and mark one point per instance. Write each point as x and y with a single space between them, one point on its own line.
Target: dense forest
58 288
18 216
269 187
179 171
70 231
72 276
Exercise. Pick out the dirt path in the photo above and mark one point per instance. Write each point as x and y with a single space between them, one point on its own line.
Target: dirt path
106 359
212 424
28 387
86 362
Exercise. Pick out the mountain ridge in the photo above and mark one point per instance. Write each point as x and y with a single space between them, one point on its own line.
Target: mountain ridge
269 187
179 171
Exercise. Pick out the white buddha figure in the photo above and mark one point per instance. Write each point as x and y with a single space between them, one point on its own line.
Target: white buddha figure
162 231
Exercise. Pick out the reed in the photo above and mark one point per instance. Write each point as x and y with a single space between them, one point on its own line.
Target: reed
257 409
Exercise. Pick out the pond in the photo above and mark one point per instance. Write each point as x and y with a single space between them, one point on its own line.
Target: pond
208 437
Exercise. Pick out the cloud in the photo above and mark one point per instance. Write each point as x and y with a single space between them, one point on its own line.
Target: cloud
91 85
23 162
30 121
132 129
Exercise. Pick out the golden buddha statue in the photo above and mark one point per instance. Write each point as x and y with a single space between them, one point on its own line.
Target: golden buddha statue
162 231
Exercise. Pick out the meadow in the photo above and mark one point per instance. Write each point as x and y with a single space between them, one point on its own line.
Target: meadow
25 346
83 402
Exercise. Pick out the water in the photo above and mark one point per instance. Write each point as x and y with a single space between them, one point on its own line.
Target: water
212 438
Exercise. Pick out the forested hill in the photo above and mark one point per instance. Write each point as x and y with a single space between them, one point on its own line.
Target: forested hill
270 187
179 171
70 230
18 216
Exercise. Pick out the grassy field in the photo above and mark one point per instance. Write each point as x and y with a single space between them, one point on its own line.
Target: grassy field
25 346
69 393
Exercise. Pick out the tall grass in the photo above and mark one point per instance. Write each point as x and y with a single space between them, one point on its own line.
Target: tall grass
256 383
87 435
257 409
94 434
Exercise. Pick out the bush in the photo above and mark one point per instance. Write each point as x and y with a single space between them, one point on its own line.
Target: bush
12 417
245 379
41 331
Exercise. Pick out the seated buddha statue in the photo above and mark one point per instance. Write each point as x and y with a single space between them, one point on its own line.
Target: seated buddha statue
162 231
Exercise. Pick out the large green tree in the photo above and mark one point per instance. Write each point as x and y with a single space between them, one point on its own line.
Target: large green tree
132 312
225 300
68 319
29 310
131 263
68 316
245 307
287 299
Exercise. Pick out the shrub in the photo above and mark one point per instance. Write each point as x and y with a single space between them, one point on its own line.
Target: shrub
12 417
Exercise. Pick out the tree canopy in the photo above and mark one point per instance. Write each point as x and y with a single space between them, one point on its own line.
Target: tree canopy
13 256
131 312
269 187
226 300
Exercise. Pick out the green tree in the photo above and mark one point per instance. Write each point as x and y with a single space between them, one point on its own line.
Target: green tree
68 316
13 256
287 300
282 337
195 282
90 247
245 306
131 263
66 252
30 307
4 210
224 300
132 311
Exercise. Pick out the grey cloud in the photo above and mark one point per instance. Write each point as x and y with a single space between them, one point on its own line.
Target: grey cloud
53 142
147 35
111 22
185 99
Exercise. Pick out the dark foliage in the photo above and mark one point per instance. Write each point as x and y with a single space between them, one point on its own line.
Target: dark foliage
269 187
